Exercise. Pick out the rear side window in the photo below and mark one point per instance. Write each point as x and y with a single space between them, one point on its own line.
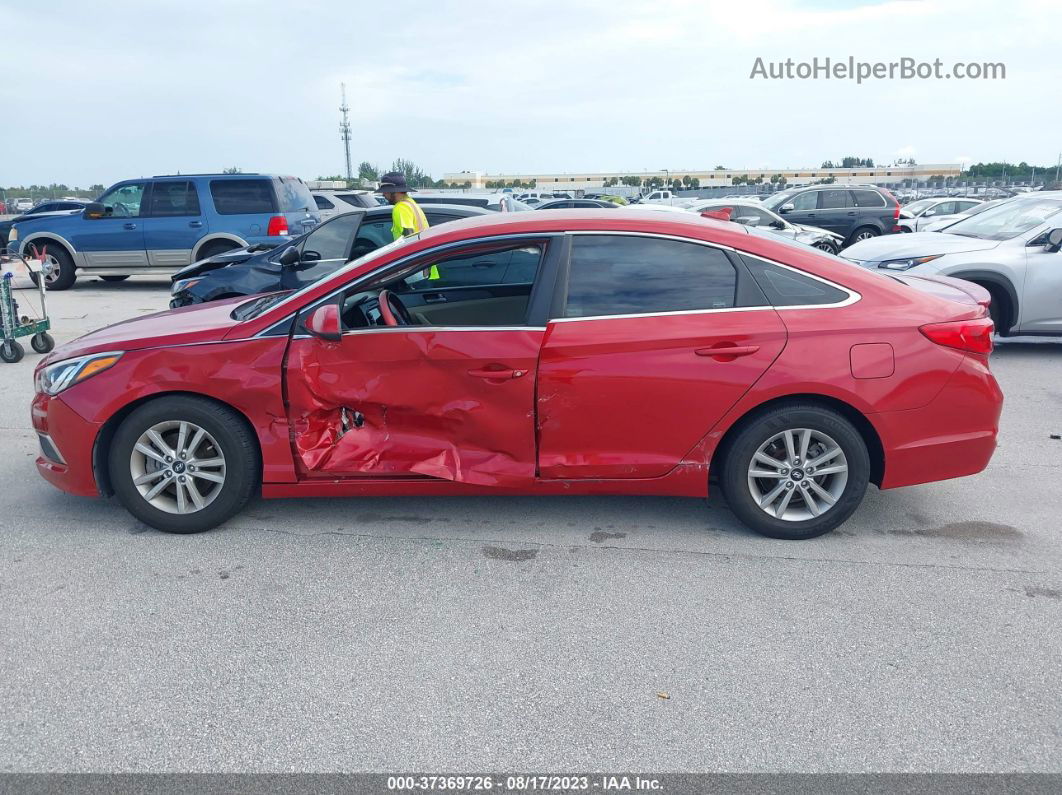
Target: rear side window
243 196
627 275
833 199
784 287
867 198
294 195
173 198
323 203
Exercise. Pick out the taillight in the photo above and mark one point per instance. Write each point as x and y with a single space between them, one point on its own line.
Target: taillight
278 225
895 209
974 336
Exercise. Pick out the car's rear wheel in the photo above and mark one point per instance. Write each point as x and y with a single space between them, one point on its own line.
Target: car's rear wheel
61 273
796 472
115 278
863 233
184 464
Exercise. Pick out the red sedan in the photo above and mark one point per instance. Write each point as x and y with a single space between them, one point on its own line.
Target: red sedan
572 352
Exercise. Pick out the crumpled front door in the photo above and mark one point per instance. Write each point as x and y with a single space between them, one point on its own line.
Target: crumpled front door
451 404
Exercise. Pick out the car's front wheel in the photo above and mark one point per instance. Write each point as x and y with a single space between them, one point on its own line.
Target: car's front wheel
184 464
796 472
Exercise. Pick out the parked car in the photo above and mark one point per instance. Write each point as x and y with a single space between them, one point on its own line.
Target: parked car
853 212
304 260
1011 250
753 213
334 202
916 216
44 208
943 221
377 380
584 204
22 204
156 225
499 202
664 197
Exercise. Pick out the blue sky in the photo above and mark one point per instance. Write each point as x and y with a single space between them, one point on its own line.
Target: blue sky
118 89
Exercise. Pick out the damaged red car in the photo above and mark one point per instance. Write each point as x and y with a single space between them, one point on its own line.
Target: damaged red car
574 352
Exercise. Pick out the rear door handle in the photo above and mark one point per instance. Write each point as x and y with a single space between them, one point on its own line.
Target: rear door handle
726 353
195 224
129 226
499 374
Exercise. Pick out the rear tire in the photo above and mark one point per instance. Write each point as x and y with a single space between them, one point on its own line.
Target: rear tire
115 278
803 497
863 233
211 483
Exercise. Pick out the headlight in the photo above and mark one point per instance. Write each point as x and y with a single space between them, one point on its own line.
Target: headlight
184 284
54 378
12 234
907 263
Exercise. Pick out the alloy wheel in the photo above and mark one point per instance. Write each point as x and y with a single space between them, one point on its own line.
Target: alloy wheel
798 474
177 467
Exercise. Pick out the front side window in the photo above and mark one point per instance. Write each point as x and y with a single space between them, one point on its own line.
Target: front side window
173 199
628 275
330 241
805 201
243 196
507 265
124 200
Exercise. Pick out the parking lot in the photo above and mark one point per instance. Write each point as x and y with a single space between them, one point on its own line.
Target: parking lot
535 633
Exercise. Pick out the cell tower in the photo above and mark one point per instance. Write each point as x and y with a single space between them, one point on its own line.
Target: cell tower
344 128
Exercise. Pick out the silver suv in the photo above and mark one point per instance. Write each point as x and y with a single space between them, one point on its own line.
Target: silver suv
1012 250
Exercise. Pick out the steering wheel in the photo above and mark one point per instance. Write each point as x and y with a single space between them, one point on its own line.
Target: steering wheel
392 310
120 210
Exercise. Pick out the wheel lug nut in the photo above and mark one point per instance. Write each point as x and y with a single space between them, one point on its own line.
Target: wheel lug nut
803 485
785 471
169 474
169 458
191 469
789 484
796 461
181 478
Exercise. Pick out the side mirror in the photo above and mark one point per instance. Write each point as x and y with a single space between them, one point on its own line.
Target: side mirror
288 256
748 220
778 224
786 208
323 323
93 210
1054 240
928 213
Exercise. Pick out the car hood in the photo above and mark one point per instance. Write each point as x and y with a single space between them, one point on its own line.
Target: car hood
208 322
915 244
817 231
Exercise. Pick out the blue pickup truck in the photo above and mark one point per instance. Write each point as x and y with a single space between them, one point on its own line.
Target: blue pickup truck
160 224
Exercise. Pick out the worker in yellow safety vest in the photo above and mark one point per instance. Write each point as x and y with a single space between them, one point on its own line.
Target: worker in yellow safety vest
406 218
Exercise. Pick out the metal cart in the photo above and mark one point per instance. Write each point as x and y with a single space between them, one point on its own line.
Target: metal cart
15 325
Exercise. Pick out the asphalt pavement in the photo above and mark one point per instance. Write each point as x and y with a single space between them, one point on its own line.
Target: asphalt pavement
535 634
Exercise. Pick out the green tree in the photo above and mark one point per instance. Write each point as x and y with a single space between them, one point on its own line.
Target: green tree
368 171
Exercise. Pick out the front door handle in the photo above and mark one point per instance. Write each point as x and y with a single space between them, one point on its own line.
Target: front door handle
129 226
195 224
499 374
727 353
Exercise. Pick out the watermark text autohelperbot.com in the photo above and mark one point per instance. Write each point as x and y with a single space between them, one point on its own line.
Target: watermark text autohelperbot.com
859 71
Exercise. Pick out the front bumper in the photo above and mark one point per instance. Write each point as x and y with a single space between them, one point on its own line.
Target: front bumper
67 442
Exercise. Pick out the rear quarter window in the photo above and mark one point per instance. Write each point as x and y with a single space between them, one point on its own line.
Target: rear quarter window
867 198
243 196
785 287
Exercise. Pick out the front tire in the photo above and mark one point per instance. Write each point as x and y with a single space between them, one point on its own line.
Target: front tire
63 273
184 464
796 472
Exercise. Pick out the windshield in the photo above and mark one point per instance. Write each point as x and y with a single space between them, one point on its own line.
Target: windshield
258 306
1008 219
914 208
776 201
